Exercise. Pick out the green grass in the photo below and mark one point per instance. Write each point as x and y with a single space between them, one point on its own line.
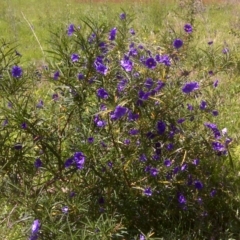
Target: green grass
214 21
44 16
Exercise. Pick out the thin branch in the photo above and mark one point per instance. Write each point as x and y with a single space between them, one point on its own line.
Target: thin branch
34 34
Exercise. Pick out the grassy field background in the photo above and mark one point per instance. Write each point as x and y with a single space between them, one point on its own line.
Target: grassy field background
16 15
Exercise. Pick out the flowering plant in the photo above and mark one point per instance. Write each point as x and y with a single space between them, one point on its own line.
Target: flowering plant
128 131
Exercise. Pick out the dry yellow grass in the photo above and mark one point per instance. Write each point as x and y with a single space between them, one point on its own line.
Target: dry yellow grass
219 1
166 1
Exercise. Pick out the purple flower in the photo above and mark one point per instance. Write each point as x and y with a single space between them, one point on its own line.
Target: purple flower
74 57
91 38
182 199
35 226
38 163
71 29
5 123
121 85
189 107
72 194
198 185
122 16
177 43
167 163
102 93
33 237
175 170
132 52
161 127
211 73
127 64
154 172
132 116
118 113
131 45
110 164
103 47
9 104
188 28
218 147
35 230
213 193
65 209
147 169
148 83
150 135
99 122
143 158
196 162
100 67
173 130
126 141
159 86
132 31
190 86
203 105
133 131
225 50
181 120
55 97
143 95
17 71
112 34
103 107
40 104
18 146
214 129
164 59
156 156
79 159
69 162
212 126
24 125
184 167
169 146
210 42
147 191
215 84
168 176
228 140
142 237
90 140
199 200
215 113
103 144
56 75
151 63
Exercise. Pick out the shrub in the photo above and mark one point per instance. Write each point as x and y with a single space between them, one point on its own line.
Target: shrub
127 143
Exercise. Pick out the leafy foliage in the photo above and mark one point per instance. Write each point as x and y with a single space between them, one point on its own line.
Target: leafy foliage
126 144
